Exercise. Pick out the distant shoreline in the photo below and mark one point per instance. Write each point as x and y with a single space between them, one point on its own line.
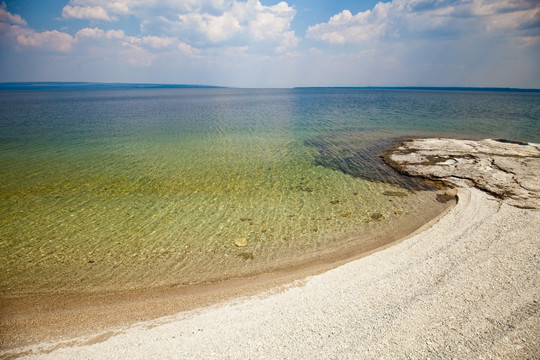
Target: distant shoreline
58 85
426 88
25 86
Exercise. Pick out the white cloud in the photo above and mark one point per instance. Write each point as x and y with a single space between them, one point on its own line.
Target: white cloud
94 33
214 28
265 22
7 18
97 33
91 42
428 19
115 34
86 12
248 43
247 22
157 42
186 49
14 31
145 8
288 41
202 22
49 40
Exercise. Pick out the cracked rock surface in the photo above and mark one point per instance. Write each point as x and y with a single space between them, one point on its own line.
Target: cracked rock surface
506 169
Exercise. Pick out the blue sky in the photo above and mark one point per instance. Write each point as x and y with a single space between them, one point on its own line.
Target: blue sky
263 43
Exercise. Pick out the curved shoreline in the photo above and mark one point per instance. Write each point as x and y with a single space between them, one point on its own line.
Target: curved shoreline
59 318
471 293
461 287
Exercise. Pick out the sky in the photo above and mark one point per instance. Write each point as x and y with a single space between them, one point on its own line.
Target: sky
267 43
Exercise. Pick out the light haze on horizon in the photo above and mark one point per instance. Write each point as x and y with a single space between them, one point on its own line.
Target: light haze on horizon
262 43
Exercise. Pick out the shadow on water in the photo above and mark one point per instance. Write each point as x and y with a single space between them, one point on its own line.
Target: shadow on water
359 154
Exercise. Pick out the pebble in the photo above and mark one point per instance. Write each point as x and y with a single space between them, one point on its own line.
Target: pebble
376 216
241 242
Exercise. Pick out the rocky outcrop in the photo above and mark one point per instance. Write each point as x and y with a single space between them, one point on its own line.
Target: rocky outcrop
505 169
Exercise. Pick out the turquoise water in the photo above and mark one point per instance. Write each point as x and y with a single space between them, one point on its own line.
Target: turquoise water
108 190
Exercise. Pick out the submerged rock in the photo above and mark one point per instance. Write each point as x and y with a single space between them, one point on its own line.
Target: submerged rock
246 256
395 193
304 187
376 216
503 168
444 198
241 242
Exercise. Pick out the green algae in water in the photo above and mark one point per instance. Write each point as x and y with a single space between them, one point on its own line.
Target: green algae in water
171 214
105 191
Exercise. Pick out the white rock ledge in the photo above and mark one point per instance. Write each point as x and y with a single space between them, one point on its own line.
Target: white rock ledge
506 169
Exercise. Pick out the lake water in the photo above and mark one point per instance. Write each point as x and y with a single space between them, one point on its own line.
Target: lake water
106 190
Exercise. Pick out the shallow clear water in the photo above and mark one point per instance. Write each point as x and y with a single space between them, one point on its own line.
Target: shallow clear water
120 189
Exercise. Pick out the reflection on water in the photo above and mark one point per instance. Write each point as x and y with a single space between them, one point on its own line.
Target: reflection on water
109 190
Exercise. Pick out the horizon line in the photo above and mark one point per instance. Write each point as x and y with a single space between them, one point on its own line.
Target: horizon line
87 85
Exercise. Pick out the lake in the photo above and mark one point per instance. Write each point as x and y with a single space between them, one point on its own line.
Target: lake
109 190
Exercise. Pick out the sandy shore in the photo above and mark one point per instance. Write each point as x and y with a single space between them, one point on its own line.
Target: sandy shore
466 287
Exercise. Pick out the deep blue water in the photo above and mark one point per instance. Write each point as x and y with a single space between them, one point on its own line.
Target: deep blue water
79 114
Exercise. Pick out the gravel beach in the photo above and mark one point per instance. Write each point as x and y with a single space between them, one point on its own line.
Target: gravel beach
466 287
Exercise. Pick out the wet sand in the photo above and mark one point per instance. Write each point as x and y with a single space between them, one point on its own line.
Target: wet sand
464 287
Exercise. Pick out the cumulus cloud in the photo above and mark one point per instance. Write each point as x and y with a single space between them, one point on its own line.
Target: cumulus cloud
147 8
452 42
215 28
203 22
97 33
186 48
168 24
115 34
7 18
49 40
157 42
139 51
400 19
86 12
94 33
247 22
242 42
288 41
13 29
132 50
344 27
